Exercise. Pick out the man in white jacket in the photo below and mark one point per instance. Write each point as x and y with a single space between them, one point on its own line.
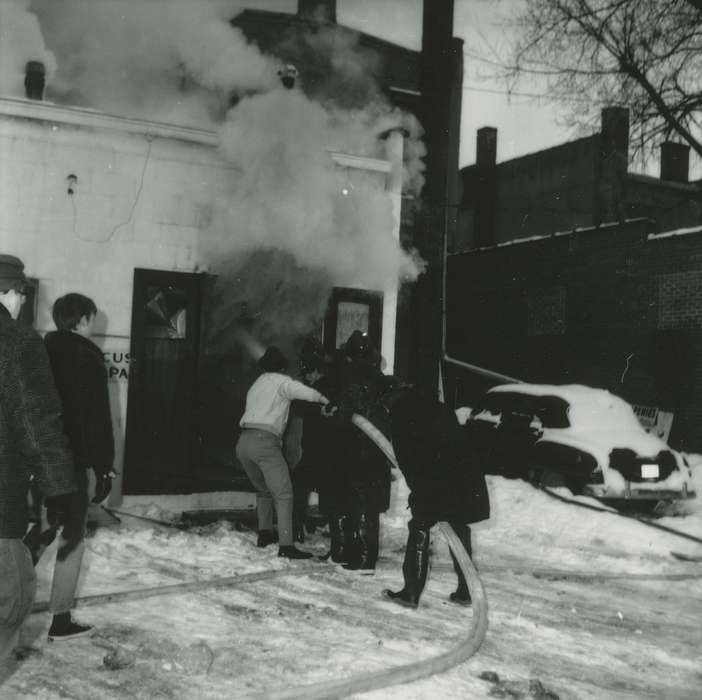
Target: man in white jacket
260 451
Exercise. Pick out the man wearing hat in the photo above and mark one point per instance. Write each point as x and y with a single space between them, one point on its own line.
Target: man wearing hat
32 446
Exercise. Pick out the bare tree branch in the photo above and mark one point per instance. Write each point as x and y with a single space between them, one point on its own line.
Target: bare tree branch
644 54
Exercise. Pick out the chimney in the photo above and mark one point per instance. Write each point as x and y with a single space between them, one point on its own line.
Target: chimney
485 196
675 161
288 75
317 10
612 166
34 79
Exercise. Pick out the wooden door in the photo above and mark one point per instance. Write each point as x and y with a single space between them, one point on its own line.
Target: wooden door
162 437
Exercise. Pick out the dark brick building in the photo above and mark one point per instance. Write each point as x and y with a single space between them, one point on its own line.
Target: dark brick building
577 184
617 306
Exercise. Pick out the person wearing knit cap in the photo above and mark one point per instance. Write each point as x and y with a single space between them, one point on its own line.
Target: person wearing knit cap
259 448
33 447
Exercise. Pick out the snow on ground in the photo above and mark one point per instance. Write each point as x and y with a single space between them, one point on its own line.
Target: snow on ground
630 629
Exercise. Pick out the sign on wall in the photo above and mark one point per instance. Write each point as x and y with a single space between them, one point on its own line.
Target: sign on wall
117 363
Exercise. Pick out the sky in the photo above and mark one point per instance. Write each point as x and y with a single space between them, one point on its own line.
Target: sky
524 124
589 604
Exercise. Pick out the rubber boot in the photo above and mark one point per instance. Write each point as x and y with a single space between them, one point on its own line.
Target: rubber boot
299 514
343 538
414 568
461 595
368 533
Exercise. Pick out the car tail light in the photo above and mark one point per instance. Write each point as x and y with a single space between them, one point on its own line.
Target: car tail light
635 468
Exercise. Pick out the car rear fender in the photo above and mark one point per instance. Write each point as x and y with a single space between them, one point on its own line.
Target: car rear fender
560 437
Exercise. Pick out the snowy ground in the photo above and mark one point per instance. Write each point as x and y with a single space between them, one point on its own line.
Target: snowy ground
630 628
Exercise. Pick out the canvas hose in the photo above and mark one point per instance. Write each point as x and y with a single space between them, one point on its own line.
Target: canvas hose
416 670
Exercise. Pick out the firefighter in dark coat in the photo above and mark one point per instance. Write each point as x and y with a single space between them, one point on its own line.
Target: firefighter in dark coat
313 471
446 482
361 470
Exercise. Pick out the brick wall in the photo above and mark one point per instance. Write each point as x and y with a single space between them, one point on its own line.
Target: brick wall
611 307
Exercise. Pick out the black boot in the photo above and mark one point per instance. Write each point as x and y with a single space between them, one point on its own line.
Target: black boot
343 538
266 537
461 595
368 531
299 514
414 568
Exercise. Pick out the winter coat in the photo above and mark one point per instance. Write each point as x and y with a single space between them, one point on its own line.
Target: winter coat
81 379
358 461
32 441
445 477
318 467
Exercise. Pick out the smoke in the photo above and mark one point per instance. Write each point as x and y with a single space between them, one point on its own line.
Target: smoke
21 40
167 60
345 77
288 232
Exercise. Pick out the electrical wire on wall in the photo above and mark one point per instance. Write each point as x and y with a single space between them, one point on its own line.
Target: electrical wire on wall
140 188
147 157
73 180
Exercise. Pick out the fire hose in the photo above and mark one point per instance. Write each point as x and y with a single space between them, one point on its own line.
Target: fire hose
463 650
417 670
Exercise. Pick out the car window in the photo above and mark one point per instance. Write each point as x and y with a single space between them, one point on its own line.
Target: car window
553 412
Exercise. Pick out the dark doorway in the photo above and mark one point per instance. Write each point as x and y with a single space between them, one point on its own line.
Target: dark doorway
351 309
162 447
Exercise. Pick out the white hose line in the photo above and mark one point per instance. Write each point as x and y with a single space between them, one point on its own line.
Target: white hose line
468 645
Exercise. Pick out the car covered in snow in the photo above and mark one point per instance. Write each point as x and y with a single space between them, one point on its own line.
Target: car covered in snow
588 437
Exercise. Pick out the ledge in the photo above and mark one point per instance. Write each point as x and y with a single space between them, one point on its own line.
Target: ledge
18 108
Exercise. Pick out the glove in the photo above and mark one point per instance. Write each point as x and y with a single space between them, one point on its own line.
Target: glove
58 508
74 525
103 486
37 540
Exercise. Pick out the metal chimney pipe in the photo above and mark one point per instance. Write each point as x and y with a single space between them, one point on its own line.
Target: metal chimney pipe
34 80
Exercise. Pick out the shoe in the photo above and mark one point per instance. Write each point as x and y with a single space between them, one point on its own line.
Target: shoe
291 552
402 598
63 627
266 537
461 598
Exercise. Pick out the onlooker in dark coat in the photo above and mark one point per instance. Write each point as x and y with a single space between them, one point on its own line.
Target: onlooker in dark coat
445 479
81 379
32 446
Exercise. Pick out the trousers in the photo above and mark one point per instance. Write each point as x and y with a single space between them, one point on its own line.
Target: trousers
18 584
261 456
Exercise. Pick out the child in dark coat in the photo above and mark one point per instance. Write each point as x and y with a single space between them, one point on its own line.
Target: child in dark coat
444 477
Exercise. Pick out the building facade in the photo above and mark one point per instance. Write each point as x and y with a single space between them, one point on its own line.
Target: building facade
119 209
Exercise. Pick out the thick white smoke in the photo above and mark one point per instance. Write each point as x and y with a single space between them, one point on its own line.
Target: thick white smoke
169 60
181 61
21 41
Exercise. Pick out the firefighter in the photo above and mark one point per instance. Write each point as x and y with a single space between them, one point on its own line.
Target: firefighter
362 473
445 479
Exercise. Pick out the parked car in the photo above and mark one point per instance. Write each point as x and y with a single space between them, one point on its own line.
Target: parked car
588 437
